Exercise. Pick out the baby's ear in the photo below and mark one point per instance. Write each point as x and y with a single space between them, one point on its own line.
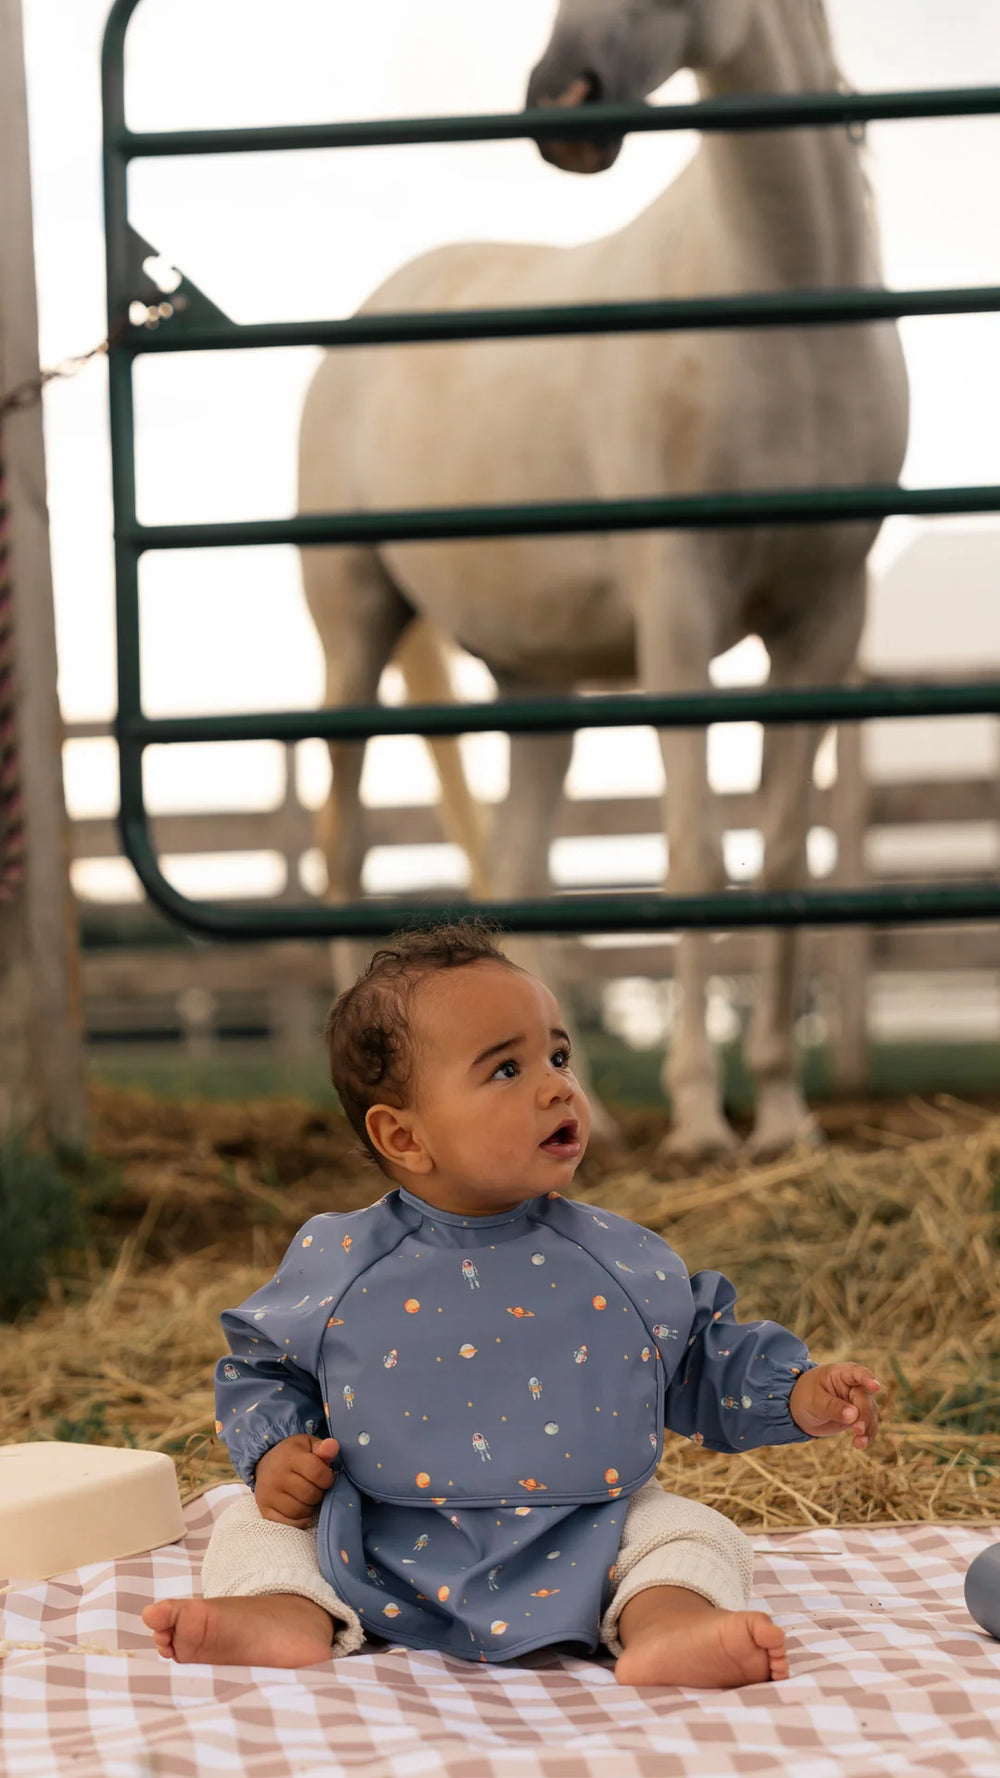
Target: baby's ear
391 1131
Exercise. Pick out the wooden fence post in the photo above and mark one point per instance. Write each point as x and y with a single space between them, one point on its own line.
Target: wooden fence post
41 1055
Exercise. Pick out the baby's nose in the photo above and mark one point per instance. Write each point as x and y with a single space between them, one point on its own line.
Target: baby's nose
556 1084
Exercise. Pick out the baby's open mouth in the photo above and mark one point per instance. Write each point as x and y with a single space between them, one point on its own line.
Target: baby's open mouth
563 1142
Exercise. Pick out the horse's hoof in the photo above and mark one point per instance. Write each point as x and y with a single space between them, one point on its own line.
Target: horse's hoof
694 1145
771 1138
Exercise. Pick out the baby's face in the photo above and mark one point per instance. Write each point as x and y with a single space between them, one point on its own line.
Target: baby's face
501 1113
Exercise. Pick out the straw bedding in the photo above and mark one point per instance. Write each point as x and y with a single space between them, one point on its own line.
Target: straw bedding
883 1246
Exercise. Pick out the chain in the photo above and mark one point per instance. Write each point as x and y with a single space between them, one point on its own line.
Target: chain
29 393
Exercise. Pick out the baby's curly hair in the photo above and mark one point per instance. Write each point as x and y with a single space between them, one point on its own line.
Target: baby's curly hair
368 1030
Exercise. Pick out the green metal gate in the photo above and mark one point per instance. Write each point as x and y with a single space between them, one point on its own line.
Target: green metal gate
191 323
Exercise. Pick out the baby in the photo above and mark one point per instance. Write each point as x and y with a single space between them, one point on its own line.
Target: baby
471 1377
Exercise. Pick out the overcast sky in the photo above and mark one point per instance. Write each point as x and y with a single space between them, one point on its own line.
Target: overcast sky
296 236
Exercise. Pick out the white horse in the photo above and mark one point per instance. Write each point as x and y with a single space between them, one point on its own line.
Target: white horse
617 416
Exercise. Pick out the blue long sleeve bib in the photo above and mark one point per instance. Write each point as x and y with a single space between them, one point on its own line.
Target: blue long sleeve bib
499 1387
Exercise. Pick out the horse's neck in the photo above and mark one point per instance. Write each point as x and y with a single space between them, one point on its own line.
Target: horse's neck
801 193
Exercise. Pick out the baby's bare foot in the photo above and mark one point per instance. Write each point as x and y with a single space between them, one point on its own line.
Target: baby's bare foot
695 1644
278 1630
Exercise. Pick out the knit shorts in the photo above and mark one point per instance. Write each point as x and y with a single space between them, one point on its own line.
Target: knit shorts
667 1541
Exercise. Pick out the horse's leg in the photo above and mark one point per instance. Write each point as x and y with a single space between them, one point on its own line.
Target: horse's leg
672 583
819 650
522 833
422 658
359 615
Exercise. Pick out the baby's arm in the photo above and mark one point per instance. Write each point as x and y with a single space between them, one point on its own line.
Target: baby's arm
261 1399
268 1390
731 1390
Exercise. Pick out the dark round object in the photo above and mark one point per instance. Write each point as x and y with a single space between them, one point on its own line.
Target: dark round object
982 1589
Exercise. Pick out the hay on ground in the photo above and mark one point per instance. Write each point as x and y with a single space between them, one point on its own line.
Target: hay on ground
885 1252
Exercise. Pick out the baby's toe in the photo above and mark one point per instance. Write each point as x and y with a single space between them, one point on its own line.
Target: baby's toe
770 1637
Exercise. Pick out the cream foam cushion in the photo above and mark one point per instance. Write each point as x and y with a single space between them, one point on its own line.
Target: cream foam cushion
65 1505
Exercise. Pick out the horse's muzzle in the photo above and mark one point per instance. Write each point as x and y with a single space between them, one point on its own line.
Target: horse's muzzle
590 154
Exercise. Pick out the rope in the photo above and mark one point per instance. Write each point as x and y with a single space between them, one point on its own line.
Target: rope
11 807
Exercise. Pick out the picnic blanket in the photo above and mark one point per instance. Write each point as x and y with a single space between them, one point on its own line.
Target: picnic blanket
889 1675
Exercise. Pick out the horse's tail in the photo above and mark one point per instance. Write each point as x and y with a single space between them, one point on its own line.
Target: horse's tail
422 658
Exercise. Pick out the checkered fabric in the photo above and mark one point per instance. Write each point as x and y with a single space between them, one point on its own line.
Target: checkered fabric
889 1675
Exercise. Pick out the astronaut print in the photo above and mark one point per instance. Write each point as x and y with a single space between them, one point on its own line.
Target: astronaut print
470 1274
481 1447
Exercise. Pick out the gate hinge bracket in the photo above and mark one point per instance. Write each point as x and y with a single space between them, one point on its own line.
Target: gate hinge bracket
167 296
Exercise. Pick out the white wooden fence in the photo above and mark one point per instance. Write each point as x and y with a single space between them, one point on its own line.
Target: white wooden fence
283 987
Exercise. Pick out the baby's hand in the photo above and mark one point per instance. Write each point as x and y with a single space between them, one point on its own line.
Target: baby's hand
292 1477
836 1398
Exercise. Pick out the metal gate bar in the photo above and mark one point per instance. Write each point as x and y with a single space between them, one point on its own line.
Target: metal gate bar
799 308
190 322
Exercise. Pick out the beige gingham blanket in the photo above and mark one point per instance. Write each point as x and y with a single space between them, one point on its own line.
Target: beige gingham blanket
889 1675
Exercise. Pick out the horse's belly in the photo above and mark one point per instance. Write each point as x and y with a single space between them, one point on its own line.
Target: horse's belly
509 426
547 610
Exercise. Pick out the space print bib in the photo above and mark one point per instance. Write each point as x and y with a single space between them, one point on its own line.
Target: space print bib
500 1360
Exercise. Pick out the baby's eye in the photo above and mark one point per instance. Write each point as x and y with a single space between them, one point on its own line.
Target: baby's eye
561 1056
505 1070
